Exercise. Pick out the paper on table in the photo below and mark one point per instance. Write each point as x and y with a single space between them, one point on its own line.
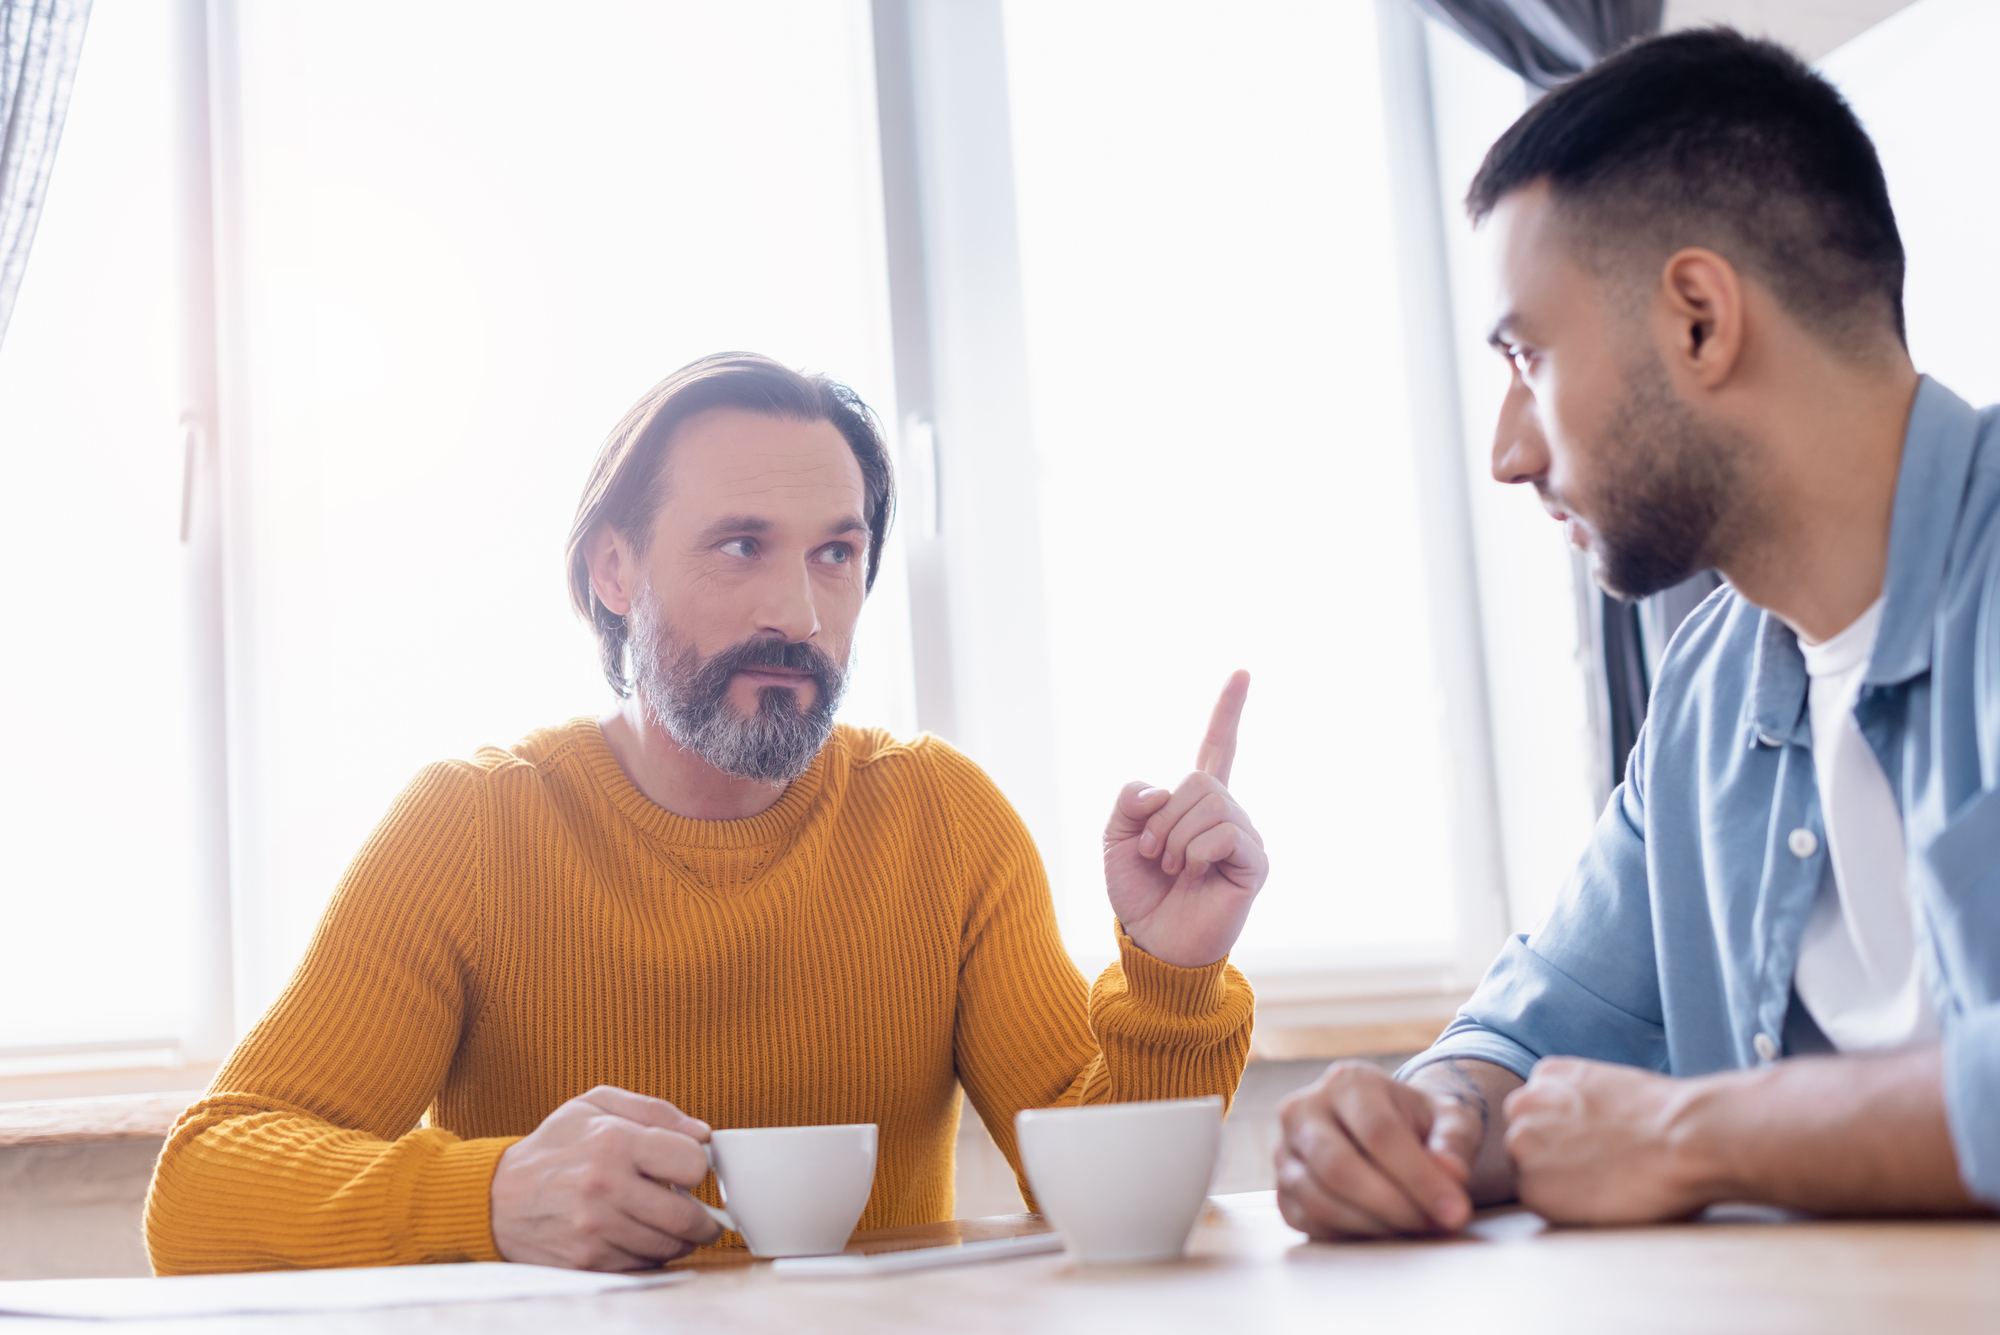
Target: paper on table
855 1266
290 1291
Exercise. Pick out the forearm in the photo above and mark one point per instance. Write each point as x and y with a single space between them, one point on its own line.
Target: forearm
1481 1087
1830 1135
1167 1032
246 1188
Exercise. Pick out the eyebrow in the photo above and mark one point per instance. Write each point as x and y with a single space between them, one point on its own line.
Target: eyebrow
730 524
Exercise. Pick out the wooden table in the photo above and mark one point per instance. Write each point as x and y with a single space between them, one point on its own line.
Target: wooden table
1247 1272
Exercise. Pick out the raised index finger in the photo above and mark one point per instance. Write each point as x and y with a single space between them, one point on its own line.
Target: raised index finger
1218 748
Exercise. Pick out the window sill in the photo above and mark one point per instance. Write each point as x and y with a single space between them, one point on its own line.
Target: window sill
1333 1041
151 1115
1352 1013
92 1121
118 1082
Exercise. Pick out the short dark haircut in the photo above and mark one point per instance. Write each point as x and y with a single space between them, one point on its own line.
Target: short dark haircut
1710 138
628 484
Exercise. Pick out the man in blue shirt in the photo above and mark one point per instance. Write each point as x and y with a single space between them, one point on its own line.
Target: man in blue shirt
1775 974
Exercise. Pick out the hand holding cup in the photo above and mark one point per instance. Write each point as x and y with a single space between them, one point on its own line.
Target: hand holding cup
593 1187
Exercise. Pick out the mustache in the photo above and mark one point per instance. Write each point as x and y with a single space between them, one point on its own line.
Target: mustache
708 679
770 651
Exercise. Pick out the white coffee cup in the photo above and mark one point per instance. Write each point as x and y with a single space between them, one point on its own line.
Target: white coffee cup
1122 1182
793 1190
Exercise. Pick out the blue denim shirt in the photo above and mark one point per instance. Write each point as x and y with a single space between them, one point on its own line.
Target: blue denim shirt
1673 944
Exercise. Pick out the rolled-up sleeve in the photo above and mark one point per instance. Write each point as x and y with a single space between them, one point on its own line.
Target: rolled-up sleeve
1586 983
1956 880
1972 1099
1963 865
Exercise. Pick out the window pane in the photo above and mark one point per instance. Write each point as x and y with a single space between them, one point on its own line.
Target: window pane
1228 481
96 809
1545 752
469 240
1922 85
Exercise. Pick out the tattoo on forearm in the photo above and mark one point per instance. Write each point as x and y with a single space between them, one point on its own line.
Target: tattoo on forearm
1464 1089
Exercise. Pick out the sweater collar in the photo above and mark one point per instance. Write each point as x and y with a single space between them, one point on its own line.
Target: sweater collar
776 825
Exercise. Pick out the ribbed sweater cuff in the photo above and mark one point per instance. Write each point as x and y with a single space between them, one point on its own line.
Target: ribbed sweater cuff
451 1203
1157 985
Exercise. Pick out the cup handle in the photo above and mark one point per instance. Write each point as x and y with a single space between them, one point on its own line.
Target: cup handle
719 1216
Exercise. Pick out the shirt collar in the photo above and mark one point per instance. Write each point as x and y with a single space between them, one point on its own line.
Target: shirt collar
1930 492
1930 489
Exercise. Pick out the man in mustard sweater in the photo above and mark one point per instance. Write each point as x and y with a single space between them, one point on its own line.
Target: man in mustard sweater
553 968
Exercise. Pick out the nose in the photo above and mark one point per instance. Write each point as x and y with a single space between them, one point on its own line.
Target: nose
787 606
1520 451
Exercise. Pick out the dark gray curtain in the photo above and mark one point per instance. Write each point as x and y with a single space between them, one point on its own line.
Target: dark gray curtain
39 44
1642 630
1547 41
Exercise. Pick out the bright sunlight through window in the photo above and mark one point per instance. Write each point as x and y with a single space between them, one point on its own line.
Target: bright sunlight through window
1227 479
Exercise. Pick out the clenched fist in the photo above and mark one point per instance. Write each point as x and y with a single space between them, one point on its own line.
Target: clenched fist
1364 1155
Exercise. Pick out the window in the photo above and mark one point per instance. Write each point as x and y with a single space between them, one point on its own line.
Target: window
1920 85
466 246
1545 753
1216 363
99 802
1167 421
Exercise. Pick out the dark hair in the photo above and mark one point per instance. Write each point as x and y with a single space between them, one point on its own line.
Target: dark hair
1711 138
628 483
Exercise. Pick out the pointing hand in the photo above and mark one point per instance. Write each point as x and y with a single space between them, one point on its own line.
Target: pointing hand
1182 867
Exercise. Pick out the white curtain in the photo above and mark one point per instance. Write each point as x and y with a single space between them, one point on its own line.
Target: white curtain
39 44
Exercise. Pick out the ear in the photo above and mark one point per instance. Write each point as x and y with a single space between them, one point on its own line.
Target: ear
614 571
1699 317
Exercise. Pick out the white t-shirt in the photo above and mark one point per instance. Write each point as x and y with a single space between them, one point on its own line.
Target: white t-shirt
1859 972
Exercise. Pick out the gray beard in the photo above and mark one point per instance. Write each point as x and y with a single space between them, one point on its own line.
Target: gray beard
688 697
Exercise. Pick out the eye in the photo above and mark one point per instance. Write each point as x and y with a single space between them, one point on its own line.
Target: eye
743 547
837 555
1523 358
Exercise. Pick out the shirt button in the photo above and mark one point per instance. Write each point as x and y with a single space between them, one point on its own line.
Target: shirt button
1803 842
1766 1046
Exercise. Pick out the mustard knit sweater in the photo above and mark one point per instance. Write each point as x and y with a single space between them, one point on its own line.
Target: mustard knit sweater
527 925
